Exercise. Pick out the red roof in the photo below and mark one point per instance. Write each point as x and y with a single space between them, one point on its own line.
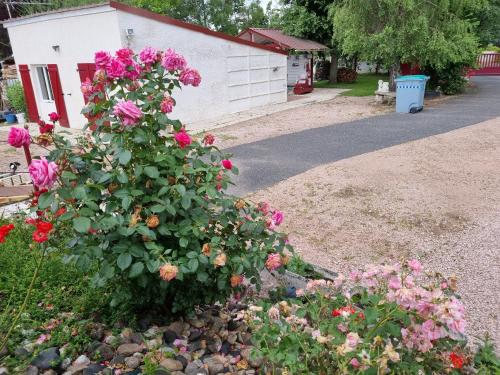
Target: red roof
285 41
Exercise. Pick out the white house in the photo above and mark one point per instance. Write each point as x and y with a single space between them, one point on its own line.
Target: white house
54 52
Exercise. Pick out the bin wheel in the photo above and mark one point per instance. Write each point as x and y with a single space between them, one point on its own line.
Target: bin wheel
413 110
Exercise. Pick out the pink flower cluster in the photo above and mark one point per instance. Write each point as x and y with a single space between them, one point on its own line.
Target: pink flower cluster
172 61
167 104
190 77
19 137
182 138
128 112
43 172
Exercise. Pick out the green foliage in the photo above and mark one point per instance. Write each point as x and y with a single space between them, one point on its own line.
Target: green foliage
297 265
137 200
365 85
410 31
488 23
486 360
61 293
450 80
15 96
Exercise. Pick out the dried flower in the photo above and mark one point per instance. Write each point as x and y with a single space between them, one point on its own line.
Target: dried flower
153 221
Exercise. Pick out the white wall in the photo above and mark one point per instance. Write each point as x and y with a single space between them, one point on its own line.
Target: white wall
78 34
235 77
296 68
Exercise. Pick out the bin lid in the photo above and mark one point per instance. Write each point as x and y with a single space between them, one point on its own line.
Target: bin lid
416 77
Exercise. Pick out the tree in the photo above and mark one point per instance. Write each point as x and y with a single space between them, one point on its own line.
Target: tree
488 28
310 19
428 33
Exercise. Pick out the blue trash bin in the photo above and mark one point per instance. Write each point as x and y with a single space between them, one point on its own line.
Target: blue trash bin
410 91
11 118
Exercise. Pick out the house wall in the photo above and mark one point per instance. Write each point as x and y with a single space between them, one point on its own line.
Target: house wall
296 68
78 34
235 77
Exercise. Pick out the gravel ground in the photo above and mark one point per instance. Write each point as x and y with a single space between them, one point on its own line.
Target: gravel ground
436 199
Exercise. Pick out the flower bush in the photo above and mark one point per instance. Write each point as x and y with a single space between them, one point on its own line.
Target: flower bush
382 319
144 199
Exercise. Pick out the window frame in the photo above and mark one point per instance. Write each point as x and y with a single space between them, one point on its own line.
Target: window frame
46 82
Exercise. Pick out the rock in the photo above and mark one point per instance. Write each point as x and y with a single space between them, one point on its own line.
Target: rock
177 327
82 360
93 369
161 371
169 336
196 368
112 340
250 372
152 332
50 372
136 338
30 370
233 325
97 331
254 359
47 359
132 362
129 349
195 334
133 372
103 352
171 364
154 343
226 347
21 353
232 338
118 359
194 346
198 323
182 360
107 371
217 324
245 338
214 345
215 364
66 363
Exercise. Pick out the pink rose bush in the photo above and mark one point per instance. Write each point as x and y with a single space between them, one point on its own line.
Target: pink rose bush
19 137
154 195
383 319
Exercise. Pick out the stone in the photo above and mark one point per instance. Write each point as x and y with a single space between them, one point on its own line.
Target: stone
133 372
198 323
215 364
195 334
136 338
30 370
103 352
129 349
169 336
214 344
81 360
50 372
232 338
21 353
171 364
196 368
152 332
161 371
226 347
107 371
66 363
154 343
118 359
177 327
217 324
94 369
182 360
47 359
97 331
194 346
233 325
132 362
254 359
112 340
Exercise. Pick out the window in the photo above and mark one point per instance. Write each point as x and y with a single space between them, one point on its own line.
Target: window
44 83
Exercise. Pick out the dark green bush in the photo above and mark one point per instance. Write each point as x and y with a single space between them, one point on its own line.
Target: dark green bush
451 79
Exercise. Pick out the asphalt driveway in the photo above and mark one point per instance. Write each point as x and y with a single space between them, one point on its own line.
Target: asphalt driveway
264 163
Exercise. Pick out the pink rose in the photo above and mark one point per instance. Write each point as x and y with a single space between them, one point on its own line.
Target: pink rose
148 55
128 112
209 139
415 265
352 339
173 61
190 77
167 104
102 59
125 56
395 283
226 163
273 261
182 138
263 207
277 217
19 137
133 71
355 363
53 116
42 172
115 69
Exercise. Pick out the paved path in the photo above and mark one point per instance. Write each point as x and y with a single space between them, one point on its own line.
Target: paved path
267 162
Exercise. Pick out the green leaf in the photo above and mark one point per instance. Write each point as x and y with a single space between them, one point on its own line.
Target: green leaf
124 261
183 242
152 172
124 157
81 224
158 208
192 254
180 189
69 175
186 202
136 270
193 264
45 200
126 201
202 276
80 193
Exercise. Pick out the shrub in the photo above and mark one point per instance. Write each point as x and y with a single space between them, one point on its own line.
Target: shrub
346 75
450 79
15 95
322 70
145 200
386 319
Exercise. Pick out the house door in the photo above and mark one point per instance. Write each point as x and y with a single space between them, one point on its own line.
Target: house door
58 94
29 94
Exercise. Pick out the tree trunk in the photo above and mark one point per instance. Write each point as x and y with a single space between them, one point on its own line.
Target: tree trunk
394 73
334 65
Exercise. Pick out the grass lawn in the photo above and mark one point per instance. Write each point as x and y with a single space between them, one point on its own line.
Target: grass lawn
365 85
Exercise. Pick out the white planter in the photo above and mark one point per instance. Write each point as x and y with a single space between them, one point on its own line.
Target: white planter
20 118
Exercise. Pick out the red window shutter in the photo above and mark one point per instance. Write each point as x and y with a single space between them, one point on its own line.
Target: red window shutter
55 81
29 94
86 71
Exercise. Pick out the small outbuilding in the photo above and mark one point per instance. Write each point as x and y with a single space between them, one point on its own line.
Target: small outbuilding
300 51
54 52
